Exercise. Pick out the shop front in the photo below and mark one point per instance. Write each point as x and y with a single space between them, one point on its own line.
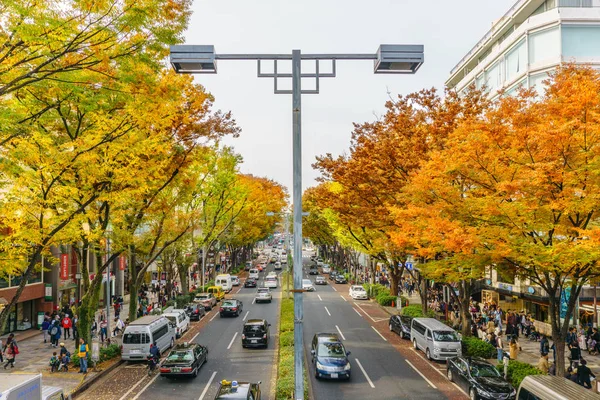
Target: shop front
23 315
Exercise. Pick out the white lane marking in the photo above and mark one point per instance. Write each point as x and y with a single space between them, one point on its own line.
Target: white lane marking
319 297
341 334
231 343
207 385
328 313
359 314
422 376
254 300
343 298
247 312
364 373
125 396
362 309
334 288
195 336
379 333
147 386
214 316
427 362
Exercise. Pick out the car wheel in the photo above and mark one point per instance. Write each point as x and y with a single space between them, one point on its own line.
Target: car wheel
449 374
172 342
316 374
473 394
195 372
428 354
415 344
391 328
221 315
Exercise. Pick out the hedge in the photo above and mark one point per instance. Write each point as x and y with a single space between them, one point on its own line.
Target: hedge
517 371
285 372
415 311
475 347
106 353
375 290
386 300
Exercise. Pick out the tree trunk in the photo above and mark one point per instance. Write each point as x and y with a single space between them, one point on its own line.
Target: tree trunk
394 279
183 277
133 289
87 311
422 285
463 304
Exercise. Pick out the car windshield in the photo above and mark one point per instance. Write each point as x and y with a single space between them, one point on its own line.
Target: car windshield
445 336
358 289
331 349
202 296
306 282
180 355
229 303
484 371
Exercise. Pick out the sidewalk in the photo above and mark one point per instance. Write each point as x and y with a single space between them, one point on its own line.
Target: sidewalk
34 356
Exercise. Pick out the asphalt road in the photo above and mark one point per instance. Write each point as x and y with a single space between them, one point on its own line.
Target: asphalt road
378 370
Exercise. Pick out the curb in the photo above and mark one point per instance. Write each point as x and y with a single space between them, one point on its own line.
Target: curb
86 384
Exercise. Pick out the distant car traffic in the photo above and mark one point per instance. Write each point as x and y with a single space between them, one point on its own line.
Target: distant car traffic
253 273
479 378
307 285
313 271
332 275
263 295
230 307
235 280
184 360
277 266
339 278
329 357
357 292
319 280
401 325
256 333
326 269
234 390
250 282
206 299
195 311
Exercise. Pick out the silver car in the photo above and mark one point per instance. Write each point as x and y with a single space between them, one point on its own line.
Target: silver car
307 285
263 295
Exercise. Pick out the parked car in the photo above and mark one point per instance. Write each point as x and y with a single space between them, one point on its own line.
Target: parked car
329 357
307 285
357 292
339 278
319 280
256 333
184 360
250 282
195 311
313 270
332 275
263 294
235 280
479 378
438 341
208 300
401 325
230 307
235 390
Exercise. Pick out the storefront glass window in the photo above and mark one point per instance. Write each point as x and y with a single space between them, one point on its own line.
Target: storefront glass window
3 283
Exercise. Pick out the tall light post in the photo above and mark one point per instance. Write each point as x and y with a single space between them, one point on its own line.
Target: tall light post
399 59
108 235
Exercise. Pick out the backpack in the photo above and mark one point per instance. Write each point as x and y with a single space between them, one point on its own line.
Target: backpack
54 330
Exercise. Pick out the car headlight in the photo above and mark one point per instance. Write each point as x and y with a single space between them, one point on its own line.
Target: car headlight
319 365
347 367
484 393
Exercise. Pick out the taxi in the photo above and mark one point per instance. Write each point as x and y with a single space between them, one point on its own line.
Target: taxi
216 291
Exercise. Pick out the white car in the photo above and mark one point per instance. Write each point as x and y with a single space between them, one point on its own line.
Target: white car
262 295
278 265
358 292
253 273
307 285
326 268
235 281
271 281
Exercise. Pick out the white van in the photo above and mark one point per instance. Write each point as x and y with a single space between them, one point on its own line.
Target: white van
141 333
271 281
438 341
253 273
224 281
549 387
179 318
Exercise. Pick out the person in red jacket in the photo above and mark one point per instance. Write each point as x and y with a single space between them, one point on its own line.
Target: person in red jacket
67 325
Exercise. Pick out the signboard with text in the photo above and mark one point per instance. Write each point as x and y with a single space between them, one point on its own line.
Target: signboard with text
122 263
64 266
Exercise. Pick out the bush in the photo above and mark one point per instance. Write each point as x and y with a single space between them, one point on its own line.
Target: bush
286 338
415 311
475 347
106 353
375 290
404 301
285 372
386 300
517 371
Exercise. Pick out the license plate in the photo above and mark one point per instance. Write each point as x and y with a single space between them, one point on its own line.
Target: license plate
175 369
135 352
334 375
254 341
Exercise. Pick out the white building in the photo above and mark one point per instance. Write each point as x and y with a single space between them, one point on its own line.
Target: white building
531 39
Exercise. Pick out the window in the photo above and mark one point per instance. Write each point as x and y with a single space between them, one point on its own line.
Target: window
493 77
160 332
544 45
514 90
136 338
524 394
536 82
580 41
516 61
428 334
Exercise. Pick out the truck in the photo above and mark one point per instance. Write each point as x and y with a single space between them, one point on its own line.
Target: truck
27 387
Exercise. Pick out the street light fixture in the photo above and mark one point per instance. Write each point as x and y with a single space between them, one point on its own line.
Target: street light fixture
396 59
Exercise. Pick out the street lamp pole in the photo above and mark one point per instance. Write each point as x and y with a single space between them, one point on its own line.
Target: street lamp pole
400 59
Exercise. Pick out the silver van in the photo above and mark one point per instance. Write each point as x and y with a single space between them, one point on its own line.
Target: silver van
438 341
549 387
142 332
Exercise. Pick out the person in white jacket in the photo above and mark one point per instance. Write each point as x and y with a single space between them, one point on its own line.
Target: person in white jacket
119 326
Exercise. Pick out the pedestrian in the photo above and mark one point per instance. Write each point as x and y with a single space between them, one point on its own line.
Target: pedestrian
514 349
575 354
65 357
1 351
54 362
544 345
119 326
583 375
543 364
45 326
103 330
500 348
83 352
10 355
54 331
75 331
67 324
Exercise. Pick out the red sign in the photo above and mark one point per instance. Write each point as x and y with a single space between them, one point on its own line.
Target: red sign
64 267
122 263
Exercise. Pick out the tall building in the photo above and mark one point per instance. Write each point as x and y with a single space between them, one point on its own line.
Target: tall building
521 48
531 39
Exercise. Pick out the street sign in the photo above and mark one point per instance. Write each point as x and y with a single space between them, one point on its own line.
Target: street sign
409 266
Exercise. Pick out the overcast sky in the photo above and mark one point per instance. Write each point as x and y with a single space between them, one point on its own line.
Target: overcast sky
448 29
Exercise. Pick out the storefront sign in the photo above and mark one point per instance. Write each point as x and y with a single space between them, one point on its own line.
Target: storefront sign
47 292
64 267
505 286
122 260
531 290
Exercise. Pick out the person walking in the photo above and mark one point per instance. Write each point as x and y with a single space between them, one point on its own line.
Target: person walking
103 330
54 331
75 332
500 348
45 326
544 345
67 324
119 326
83 352
583 375
514 349
10 355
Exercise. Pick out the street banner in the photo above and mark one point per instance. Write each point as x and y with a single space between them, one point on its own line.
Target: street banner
64 267
122 261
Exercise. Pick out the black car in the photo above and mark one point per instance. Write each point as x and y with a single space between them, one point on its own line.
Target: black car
339 278
313 270
230 307
250 282
479 378
195 311
329 357
256 333
238 390
332 275
401 325
184 360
